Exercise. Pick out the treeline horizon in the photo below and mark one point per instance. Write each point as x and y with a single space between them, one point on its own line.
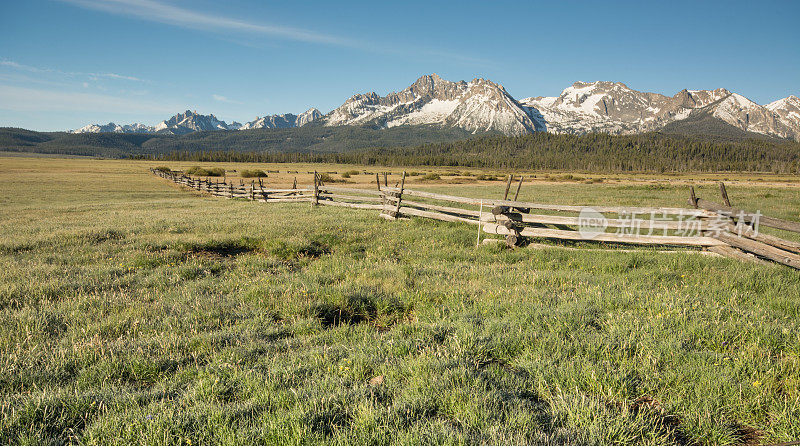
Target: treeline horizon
651 152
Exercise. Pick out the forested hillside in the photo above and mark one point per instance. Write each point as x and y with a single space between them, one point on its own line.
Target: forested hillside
428 145
309 138
595 152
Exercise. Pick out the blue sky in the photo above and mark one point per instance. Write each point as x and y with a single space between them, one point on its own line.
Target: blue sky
67 63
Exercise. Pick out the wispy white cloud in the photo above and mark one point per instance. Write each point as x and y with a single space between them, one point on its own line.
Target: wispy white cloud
164 13
161 12
22 99
116 76
22 67
93 76
220 98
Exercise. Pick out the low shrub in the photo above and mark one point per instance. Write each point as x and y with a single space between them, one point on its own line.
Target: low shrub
247 173
206 171
431 177
350 173
164 169
326 178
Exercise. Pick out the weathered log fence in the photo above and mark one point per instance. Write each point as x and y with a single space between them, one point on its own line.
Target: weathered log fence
706 225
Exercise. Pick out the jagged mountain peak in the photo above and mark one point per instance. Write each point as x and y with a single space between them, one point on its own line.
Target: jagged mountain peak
282 121
477 106
607 85
434 86
190 121
789 101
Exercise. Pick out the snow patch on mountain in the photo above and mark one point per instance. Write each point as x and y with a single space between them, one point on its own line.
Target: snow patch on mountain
476 106
287 120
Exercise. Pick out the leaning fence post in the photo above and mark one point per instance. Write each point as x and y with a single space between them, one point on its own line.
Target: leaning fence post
316 189
400 195
724 194
519 186
692 197
508 186
480 217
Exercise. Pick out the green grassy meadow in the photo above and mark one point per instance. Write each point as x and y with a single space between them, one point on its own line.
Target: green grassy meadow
134 312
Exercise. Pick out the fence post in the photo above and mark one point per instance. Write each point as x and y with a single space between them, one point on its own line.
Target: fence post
316 189
400 195
519 186
230 190
724 194
377 181
508 186
253 190
385 179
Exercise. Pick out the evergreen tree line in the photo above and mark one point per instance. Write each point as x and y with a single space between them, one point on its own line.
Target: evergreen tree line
652 152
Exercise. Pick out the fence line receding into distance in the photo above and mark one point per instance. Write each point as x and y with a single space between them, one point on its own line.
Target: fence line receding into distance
706 225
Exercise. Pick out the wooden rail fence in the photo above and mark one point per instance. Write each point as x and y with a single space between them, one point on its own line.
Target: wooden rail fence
709 226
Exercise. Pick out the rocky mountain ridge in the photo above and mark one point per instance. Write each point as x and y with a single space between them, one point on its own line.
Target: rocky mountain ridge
613 107
481 106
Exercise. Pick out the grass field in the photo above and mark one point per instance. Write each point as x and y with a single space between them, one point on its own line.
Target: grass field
132 311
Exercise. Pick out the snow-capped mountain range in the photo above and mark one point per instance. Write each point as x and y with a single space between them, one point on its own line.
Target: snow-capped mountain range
612 107
484 106
191 121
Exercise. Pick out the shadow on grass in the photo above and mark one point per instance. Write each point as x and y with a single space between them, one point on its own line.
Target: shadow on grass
365 305
222 248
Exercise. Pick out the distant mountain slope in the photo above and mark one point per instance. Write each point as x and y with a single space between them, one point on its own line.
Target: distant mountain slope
703 123
15 137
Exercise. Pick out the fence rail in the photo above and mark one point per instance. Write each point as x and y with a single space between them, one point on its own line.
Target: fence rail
721 229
